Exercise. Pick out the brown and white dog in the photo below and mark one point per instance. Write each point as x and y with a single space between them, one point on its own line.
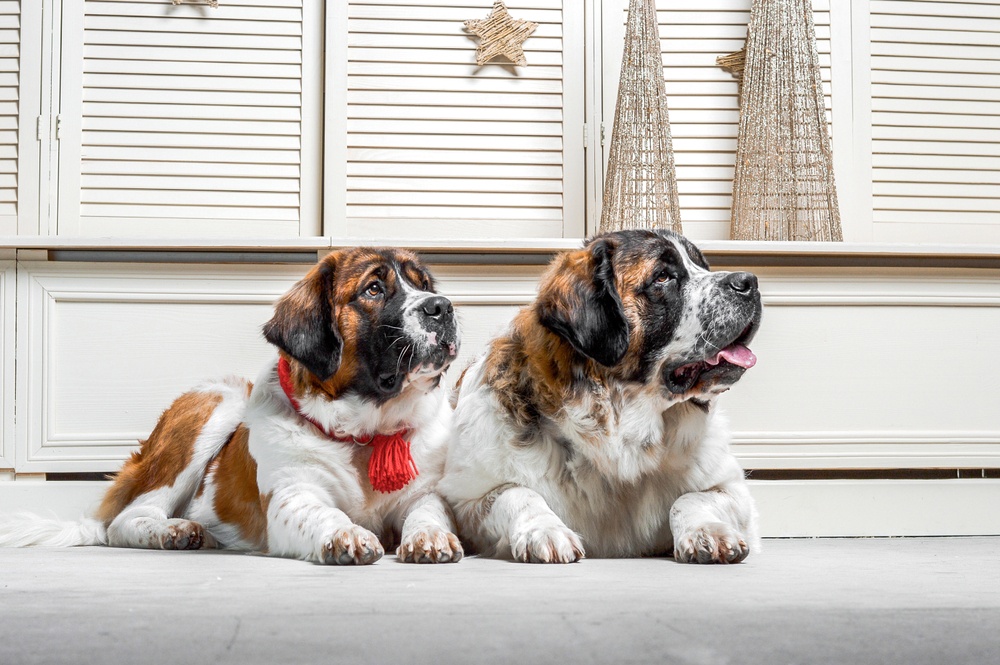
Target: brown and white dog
283 466
591 425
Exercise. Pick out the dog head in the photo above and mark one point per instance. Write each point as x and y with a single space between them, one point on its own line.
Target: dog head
645 306
369 322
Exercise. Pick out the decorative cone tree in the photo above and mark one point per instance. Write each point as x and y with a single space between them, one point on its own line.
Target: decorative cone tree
783 187
640 189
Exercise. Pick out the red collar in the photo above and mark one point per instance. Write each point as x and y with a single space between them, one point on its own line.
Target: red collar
390 467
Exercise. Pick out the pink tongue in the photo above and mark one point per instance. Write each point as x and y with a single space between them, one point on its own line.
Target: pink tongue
736 354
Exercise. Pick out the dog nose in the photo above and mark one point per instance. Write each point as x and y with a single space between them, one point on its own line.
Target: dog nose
742 282
437 306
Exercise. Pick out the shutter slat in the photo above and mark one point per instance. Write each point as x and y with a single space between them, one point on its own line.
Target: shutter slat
455 127
189 126
190 169
131 52
208 97
938 175
233 12
202 26
168 197
483 213
232 142
193 111
188 39
189 183
205 215
411 112
191 68
400 170
457 184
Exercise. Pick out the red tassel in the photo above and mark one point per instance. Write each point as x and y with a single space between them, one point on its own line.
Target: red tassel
391 467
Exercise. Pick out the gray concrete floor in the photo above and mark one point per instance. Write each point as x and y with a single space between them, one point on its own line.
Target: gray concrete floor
800 601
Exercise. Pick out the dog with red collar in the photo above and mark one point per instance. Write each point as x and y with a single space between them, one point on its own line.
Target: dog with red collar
334 453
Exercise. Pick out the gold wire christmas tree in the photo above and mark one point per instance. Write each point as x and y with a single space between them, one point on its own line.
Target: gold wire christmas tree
783 187
640 188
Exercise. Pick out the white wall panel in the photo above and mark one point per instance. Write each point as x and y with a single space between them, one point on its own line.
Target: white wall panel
105 348
8 307
874 369
108 347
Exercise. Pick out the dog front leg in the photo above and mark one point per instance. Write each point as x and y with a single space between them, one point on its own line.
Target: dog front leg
304 523
518 518
714 526
428 532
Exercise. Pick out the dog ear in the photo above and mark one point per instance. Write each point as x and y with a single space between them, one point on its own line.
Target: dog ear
303 325
579 302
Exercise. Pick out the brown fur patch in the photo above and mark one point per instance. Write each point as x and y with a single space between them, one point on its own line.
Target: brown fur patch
237 500
163 456
534 372
530 371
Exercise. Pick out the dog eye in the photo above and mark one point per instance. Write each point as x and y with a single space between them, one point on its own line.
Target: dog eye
374 290
663 277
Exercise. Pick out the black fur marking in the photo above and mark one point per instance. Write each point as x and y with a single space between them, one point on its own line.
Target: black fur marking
303 326
592 318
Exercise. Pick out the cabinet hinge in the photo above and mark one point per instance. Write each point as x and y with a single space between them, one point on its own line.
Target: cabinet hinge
586 138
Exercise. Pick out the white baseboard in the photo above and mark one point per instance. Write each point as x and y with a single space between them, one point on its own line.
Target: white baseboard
788 508
959 507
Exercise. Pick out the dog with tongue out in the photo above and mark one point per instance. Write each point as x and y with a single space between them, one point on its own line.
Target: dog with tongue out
590 427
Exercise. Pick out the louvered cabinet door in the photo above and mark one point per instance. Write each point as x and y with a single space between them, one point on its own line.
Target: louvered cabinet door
190 121
10 24
434 146
936 121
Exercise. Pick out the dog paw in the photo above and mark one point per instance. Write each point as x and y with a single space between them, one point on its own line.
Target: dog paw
430 546
178 534
550 543
351 546
711 543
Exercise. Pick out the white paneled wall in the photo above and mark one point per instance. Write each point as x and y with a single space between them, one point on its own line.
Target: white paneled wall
437 146
872 369
187 120
111 345
935 70
8 307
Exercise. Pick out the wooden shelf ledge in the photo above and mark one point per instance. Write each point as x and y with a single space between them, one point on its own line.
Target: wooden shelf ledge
504 250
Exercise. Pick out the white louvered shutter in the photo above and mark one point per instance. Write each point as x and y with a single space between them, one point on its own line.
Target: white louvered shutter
190 121
435 146
10 25
703 98
936 121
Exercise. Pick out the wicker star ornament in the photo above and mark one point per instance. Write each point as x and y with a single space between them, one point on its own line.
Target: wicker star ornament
500 34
